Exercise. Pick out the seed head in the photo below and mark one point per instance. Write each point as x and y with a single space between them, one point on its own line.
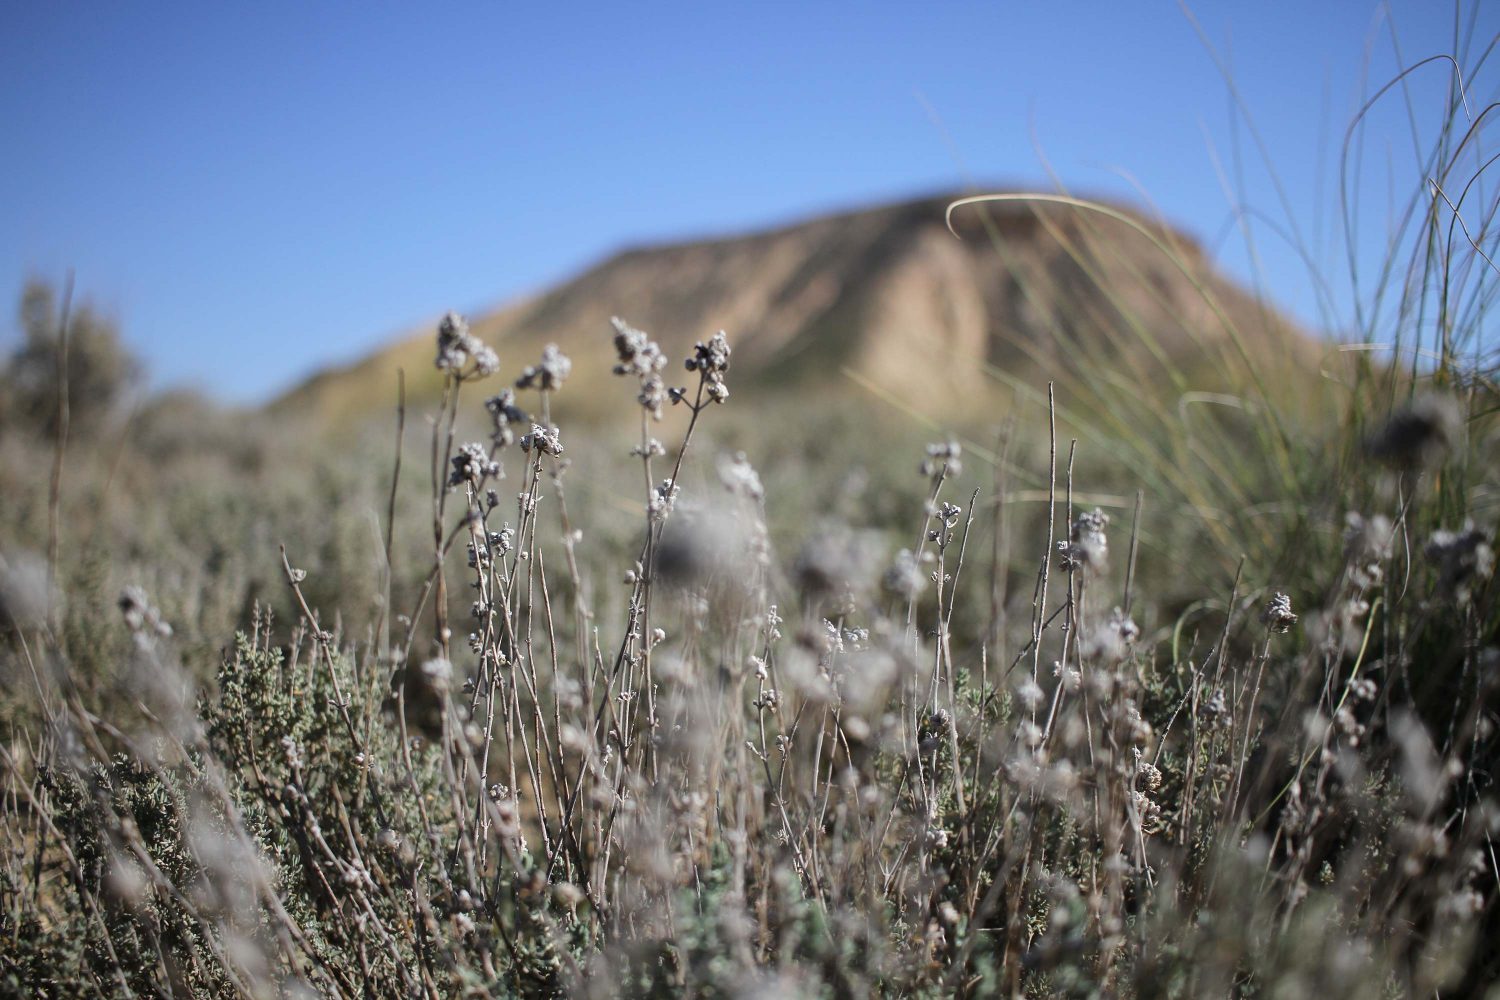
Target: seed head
711 361
456 346
638 354
548 374
547 440
739 476
141 616
1463 558
942 459
1087 547
1420 434
506 415
1367 548
472 465
1277 616
904 578
642 357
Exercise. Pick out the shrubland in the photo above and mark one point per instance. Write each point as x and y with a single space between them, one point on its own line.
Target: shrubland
1137 689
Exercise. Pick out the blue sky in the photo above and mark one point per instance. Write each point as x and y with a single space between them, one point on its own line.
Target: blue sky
259 190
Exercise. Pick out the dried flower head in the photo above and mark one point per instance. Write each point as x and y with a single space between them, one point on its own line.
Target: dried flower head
473 465
836 562
740 477
547 440
1150 775
452 342
438 674
505 414
548 374
662 499
456 347
1087 547
942 459
24 591
638 354
1463 558
1420 434
1029 694
1277 615
141 616
1110 641
1367 548
904 578
642 357
711 361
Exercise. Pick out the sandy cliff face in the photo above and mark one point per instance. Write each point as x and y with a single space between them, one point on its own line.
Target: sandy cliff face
887 295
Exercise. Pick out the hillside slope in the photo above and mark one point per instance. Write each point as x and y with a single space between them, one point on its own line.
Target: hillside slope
884 297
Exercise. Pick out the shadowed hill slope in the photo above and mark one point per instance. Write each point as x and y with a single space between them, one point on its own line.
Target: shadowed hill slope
884 298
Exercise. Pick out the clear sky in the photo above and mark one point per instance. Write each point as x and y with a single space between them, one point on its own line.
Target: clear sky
257 190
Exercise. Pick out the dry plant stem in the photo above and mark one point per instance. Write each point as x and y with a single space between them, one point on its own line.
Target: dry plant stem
583 615
323 643
638 624
912 719
54 487
382 624
442 453
999 553
945 639
1231 801
1135 537
1039 601
648 561
390 513
1190 777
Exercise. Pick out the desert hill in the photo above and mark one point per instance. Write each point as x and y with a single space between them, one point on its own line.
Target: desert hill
884 297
